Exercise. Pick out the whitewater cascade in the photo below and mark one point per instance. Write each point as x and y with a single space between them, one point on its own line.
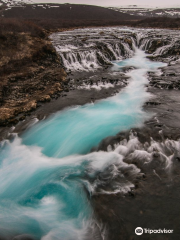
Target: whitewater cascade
86 50
90 49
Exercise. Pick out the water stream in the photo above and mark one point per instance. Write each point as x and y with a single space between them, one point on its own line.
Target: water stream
48 174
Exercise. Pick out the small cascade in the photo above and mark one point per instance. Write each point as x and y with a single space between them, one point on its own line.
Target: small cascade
158 44
167 49
163 50
145 43
139 37
85 60
161 156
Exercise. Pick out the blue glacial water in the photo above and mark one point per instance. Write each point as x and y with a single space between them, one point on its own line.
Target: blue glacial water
46 175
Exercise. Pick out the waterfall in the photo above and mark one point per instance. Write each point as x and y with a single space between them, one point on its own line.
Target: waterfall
168 43
81 54
164 49
84 59
145 43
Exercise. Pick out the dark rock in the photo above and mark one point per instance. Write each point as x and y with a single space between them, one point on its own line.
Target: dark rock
22 118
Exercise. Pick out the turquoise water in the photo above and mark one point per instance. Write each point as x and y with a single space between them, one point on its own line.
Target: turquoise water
46 175
77 130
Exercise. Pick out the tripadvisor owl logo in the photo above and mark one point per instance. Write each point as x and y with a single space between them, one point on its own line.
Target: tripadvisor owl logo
138 231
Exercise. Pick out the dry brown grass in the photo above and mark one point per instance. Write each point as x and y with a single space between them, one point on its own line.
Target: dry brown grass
18 26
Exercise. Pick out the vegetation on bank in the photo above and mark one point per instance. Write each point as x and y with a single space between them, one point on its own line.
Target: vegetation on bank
14 26
30 69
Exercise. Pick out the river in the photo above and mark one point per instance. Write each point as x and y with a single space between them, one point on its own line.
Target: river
49 173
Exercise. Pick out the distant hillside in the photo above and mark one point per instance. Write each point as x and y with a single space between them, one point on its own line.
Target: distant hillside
66 11
149 12
159 22
68 15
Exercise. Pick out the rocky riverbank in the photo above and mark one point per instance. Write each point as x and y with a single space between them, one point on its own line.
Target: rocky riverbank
31 72
153 201
155 149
